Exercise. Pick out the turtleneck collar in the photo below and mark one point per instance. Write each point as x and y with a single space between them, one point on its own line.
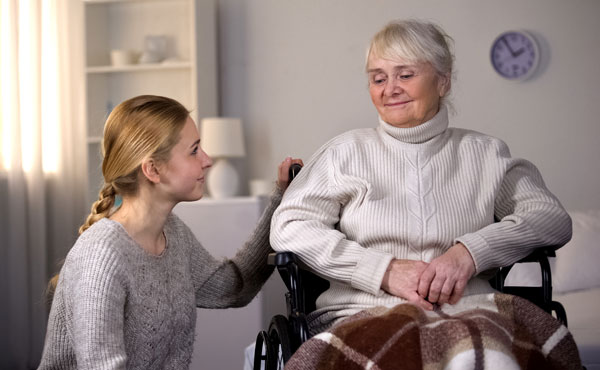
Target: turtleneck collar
421 133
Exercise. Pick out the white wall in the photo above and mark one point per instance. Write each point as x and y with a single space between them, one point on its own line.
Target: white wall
293 70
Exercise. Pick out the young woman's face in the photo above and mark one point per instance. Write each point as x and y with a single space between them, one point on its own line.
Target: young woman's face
184 173
404 94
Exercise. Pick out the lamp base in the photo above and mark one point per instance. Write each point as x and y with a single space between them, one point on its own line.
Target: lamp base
223 180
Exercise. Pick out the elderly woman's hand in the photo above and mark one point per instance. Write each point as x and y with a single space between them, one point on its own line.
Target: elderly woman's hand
283 173
402 278
446 277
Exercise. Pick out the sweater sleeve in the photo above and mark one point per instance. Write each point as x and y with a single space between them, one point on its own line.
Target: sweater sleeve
305 223
94 302
235 282
528 217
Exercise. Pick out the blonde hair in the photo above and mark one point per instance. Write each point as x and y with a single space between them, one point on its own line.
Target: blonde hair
414 41
146 126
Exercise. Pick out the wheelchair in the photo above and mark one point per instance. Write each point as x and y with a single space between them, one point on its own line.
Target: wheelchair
275 346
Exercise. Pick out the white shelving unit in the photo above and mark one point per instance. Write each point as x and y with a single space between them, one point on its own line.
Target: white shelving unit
139 67
189 76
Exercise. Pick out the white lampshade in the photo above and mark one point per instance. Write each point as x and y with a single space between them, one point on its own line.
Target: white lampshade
222 137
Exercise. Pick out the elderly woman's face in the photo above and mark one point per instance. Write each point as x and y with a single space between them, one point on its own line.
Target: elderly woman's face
405 95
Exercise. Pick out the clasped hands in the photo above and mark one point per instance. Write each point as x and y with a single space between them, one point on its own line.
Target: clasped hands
443 280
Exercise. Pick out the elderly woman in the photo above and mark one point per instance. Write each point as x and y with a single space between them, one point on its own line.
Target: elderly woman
412 210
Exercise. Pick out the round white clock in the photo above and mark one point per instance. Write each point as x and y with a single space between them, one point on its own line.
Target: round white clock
515 55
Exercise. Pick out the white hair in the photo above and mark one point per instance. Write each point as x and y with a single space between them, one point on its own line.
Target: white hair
414 41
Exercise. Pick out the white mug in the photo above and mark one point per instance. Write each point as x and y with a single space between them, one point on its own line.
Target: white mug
121 57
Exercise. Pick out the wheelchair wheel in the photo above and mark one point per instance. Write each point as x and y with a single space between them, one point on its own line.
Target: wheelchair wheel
273 349
263 352
279 336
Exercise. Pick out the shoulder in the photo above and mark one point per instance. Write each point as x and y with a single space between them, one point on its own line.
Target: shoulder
356 137
105 234
465 137
96 265
101 247
347 142
336 150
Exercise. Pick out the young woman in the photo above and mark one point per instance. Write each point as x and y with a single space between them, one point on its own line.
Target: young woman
127 293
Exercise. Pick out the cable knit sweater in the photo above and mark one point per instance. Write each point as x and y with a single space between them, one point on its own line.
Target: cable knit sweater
118 307
371 195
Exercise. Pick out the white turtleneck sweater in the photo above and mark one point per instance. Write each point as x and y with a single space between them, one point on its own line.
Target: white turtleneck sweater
371 195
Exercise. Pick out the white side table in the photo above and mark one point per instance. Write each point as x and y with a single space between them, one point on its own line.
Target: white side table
222 227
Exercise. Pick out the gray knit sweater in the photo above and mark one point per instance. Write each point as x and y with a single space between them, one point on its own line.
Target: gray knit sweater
370 195
118 307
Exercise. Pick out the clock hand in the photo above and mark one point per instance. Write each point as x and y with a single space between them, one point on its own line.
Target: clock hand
519 52
509 48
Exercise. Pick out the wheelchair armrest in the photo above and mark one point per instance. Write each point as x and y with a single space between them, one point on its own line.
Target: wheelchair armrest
538 254
541 296
289 270
303 286
281 258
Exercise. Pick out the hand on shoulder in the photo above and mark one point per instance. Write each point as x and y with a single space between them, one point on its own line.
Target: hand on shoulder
283 175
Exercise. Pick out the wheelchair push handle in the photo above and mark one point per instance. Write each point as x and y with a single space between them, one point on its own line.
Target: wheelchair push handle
294 169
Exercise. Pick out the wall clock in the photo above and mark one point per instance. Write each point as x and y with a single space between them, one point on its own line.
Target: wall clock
515 55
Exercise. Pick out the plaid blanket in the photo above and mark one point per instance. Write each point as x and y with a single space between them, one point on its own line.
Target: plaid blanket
502 332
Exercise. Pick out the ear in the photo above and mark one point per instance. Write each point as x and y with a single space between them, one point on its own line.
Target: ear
443 84
150 170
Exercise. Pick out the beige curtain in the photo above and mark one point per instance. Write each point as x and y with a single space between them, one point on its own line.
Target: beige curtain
42 162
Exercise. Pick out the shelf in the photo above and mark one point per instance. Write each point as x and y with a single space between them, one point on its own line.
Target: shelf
208 201
138 67
189 27
121 1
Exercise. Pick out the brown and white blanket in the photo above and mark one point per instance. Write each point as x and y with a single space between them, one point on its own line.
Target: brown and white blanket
502 332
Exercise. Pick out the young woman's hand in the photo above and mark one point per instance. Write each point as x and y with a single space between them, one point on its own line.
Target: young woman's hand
402 280
283 173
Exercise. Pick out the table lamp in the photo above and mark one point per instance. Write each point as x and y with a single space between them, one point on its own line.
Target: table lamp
222 138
